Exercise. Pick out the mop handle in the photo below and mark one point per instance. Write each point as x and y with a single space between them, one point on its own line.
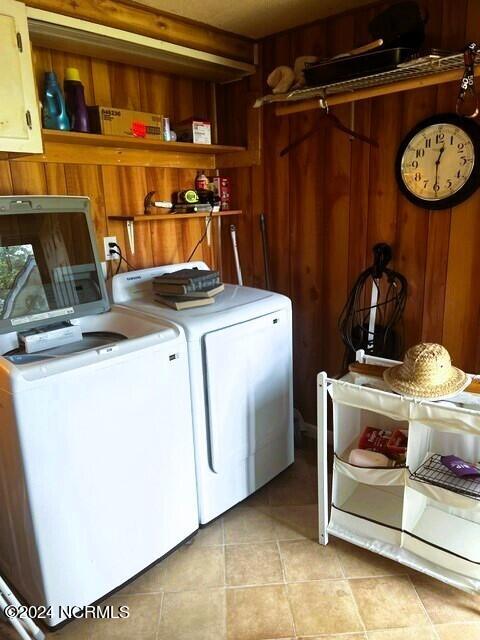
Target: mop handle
233 235
266 265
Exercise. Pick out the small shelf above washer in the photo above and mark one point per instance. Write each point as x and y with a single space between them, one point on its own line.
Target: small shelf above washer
130 221
174 216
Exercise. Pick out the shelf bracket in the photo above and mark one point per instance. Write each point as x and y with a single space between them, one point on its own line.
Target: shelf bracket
131 236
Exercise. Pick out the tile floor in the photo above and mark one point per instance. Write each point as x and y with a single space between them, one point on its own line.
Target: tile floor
259 574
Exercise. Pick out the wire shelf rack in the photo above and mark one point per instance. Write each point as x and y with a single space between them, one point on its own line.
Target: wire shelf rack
405 71
433 472
402 72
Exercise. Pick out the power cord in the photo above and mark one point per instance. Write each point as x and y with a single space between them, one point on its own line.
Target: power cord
203 236
113 251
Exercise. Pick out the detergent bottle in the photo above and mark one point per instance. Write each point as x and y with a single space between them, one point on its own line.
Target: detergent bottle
75 99
54 110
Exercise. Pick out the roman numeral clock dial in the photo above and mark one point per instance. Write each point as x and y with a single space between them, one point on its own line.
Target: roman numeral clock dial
438 162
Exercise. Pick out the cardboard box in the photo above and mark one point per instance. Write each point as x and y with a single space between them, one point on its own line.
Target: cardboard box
124 122
194 130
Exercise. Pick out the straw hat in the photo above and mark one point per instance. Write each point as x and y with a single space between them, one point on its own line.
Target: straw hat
426 372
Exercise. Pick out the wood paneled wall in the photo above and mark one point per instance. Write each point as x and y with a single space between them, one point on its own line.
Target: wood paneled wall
327 203
121 190
330 200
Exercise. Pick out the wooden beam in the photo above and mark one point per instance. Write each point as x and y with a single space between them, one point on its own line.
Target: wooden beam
252 155
150 22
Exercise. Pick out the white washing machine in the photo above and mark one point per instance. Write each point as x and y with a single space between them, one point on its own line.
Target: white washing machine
97 471
240 355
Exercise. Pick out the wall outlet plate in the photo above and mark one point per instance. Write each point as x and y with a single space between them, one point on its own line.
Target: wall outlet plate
108 255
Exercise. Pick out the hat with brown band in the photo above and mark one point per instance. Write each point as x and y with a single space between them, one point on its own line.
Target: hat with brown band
426 372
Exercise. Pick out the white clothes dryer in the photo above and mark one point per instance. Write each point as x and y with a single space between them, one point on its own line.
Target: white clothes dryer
240 356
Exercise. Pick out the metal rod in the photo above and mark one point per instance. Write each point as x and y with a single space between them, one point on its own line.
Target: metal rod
7 597
266 261
233 235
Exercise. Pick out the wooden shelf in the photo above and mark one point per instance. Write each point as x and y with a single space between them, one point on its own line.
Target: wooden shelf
175 216
125 142
400 79
130 221
70 147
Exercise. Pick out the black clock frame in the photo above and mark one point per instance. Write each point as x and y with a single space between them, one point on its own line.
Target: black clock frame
472 129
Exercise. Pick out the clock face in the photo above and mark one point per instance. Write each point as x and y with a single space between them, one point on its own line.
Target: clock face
438 163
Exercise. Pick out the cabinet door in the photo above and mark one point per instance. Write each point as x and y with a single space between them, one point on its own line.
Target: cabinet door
20 129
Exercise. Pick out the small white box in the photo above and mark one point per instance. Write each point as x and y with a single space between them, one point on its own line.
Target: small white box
194 130
47 338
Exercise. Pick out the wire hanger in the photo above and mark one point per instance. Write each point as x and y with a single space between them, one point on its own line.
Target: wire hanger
334 121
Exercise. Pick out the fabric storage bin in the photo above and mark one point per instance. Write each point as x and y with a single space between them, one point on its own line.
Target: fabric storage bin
355 408
442 527
369 502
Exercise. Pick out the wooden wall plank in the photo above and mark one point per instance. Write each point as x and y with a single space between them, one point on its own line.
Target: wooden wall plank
167 246
102 93
336 194
28 179
434 250
6 186
410 253
125 189
86 180
62 60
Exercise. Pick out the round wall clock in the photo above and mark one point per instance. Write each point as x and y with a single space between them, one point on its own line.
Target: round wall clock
438 162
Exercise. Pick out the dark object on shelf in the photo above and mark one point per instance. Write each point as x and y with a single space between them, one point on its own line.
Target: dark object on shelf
425 56
187 196
399 31
192 208
365 64
373 309
75 101
433 472
401 25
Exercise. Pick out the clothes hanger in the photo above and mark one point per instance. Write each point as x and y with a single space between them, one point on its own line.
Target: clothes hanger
335 122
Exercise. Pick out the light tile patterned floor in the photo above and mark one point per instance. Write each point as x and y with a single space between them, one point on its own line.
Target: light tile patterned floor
259 574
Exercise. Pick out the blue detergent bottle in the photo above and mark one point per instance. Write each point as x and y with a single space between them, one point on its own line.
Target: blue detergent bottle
54 110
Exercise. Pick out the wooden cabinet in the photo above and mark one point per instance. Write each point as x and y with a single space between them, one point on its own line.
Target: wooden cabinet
20 129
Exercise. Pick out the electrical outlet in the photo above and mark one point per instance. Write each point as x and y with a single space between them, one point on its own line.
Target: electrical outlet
108 255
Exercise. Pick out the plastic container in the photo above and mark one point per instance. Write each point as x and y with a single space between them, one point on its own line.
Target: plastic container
75 99
201 180
54 114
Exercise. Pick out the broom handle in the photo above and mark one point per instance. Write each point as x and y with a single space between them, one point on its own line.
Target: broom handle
376 371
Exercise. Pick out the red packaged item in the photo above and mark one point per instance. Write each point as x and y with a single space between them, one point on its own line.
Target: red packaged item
392 444
373 439
397 445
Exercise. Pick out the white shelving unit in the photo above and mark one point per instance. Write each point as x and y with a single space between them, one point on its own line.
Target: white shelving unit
428 528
